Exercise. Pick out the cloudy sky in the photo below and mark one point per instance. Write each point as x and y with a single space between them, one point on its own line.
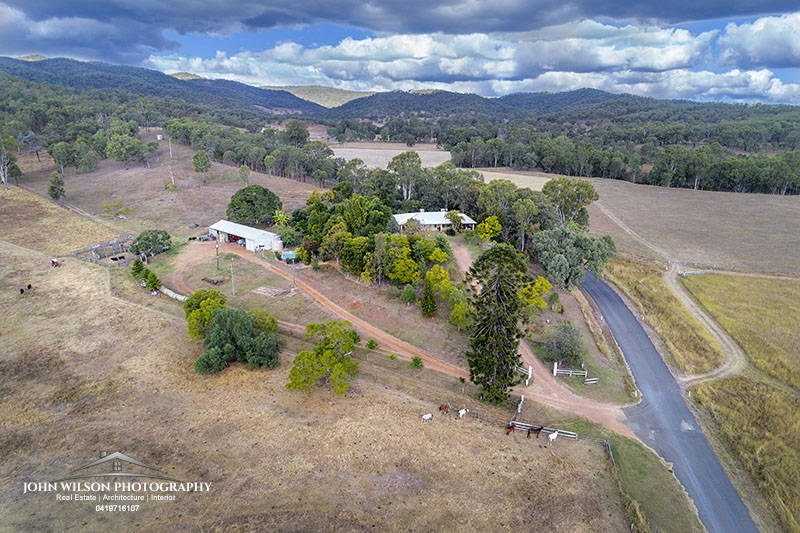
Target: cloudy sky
734 50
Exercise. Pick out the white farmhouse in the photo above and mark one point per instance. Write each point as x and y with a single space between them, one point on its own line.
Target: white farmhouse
433 220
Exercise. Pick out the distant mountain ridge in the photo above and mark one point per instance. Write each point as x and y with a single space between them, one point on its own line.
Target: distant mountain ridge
104 76
325 96
427 103
543 103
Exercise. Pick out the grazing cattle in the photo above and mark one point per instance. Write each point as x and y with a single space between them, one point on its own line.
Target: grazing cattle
462 412
551 438
22 291
427 418
54 262
510 429
29 286
444 408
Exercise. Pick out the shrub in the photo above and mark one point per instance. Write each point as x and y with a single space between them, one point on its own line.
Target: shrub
392 292
330 360
416 363
372 344
288 235
450 232
315 262
553 300
263 321
231 336
409 294
562 309
137 267
470 237
565 345
152 282
392 356
144 273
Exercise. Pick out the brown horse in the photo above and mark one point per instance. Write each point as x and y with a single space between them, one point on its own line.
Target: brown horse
444 408
510 429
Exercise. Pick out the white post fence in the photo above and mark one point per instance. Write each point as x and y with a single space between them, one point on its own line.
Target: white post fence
569 372
527 371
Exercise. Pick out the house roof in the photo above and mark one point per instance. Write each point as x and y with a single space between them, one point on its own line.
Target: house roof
430 218
243 231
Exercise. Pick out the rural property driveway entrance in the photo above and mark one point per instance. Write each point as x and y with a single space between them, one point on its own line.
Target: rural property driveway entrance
663 421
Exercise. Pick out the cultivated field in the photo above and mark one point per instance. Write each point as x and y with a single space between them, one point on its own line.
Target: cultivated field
692 347
82 371
757 415
379 154
151 205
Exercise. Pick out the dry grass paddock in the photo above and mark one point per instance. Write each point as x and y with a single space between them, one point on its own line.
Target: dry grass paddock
758 417
29 220
152 206
751 232
692 347
378 154
82 371
761 314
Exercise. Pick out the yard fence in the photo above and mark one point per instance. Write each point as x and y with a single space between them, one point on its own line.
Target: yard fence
527 372
567 371
97 252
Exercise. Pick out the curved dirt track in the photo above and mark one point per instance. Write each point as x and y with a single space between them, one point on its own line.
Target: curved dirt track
545 388
735 359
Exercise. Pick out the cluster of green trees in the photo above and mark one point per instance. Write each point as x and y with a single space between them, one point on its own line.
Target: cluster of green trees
144 274
230 334
151 242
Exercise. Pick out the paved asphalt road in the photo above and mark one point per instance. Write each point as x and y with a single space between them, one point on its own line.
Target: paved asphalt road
663 421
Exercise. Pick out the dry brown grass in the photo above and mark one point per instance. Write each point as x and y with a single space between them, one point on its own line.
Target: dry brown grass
29 220
692 347
152 206
84 372
762 315
760 425
378 154
753 232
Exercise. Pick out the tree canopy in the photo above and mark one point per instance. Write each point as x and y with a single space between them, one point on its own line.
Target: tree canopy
253 204
330 360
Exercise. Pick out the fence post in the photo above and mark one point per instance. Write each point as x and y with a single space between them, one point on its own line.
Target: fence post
519 406
530 373
555 368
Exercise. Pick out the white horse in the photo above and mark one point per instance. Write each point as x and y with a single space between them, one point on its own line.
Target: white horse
427 418
462 412
551 438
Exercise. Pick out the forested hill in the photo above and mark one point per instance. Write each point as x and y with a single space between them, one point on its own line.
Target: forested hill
432 104
543 103
103 76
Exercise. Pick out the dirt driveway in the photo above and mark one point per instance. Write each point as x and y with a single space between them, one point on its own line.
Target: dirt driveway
545 388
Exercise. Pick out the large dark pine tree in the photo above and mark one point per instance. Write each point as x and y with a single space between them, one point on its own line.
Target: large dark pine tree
495 280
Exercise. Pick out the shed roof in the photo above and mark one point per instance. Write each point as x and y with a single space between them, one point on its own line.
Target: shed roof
430 218
243 231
